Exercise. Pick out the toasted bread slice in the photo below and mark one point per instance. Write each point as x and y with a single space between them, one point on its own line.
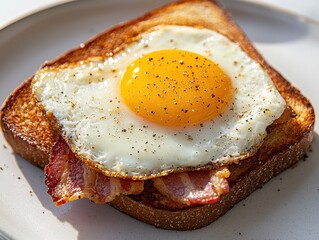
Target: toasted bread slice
30 134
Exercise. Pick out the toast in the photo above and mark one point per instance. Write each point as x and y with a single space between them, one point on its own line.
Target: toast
31 134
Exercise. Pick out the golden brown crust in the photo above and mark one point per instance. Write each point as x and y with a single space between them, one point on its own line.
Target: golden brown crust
31 135
25 126
197 13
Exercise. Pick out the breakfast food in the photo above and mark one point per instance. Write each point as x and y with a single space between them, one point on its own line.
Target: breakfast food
208 90
168 117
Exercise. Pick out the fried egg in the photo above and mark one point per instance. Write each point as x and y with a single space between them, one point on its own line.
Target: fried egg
177 97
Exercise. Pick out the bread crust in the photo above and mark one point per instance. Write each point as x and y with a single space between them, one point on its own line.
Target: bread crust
30 134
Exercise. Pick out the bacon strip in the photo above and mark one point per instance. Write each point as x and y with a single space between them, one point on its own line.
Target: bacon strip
69 179
195 187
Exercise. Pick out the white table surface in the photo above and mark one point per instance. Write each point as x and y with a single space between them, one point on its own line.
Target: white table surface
12 10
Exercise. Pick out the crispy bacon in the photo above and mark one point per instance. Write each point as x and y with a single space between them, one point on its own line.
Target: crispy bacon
195 187
68 179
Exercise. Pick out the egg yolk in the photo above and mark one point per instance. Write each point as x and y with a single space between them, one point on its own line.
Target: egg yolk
175 88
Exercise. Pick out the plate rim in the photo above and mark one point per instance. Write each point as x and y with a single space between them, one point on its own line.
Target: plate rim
51 6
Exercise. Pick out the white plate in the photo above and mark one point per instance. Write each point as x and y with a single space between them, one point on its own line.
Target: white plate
286 208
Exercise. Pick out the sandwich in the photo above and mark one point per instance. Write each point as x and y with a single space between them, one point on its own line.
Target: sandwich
172 118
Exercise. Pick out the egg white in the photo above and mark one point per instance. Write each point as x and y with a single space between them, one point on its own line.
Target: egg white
86 102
